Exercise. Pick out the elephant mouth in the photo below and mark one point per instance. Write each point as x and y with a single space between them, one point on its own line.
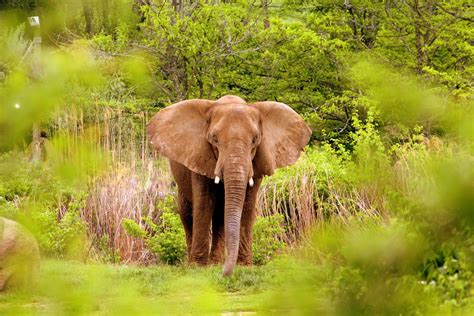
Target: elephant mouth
233 159
217 180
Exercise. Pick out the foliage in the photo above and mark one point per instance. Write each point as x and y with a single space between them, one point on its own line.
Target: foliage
267 238
418 262
331 182
34 196
13 46
165 238
449 276
61 236
379 207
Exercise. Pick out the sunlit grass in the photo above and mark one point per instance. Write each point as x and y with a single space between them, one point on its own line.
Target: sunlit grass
76 288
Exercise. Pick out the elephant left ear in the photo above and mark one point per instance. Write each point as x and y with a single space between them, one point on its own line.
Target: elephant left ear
284 135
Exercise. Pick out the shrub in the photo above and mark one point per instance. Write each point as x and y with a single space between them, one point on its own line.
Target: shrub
20 180
61 233
299 191
169 241
33 196
165 238
448 273
322 185
267 238
124 193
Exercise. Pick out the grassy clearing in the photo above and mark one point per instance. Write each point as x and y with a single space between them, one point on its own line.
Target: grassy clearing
71 287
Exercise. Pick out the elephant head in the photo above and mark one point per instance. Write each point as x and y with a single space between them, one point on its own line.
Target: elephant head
231 140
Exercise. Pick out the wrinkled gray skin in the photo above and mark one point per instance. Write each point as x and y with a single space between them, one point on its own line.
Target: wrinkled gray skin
19 256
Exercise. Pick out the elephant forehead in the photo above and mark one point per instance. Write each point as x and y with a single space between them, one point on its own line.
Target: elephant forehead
230 99
235 116
235 111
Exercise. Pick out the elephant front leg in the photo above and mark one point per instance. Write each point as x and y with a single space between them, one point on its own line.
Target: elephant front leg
247 221
203 206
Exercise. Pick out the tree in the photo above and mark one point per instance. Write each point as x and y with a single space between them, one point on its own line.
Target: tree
434 36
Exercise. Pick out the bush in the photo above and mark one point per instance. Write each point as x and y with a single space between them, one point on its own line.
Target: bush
267 238
35 197
166 238
61 233
447 273
21 180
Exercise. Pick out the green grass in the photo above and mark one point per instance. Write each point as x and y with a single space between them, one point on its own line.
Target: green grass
69 287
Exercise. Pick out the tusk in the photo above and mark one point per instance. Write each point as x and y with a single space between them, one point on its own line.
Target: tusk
251 182
216 180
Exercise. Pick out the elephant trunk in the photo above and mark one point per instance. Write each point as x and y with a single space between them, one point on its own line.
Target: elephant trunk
235 185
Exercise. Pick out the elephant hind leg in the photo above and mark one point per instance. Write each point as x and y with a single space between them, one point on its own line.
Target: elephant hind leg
185 210
247 221
218 245
218 240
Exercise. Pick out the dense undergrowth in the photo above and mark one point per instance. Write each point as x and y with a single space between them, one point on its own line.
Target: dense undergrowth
384 229
376 217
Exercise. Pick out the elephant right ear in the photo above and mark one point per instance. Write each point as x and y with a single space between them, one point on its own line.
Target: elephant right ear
178 132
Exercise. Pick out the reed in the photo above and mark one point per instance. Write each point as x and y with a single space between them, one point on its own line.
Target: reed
312 196
118 133
125 193
135 179
128 186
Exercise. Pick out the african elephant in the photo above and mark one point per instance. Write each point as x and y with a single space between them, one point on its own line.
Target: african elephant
19 256
219 151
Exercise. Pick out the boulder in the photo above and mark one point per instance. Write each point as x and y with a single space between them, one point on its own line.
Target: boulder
19 256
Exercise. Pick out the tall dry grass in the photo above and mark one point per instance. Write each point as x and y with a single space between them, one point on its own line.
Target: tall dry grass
296 198
119 134
312 196
134 181
128 186
124 193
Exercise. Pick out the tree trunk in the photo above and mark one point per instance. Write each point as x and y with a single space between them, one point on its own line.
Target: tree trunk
266 21
105 15
88 16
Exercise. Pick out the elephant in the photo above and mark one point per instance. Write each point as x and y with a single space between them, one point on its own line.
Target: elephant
219 151
19 256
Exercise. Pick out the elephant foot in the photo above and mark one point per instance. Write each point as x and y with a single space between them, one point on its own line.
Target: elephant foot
244 260
217 255
215 260
199 260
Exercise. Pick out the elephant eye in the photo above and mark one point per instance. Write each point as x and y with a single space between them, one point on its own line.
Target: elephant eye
254 140
214 139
